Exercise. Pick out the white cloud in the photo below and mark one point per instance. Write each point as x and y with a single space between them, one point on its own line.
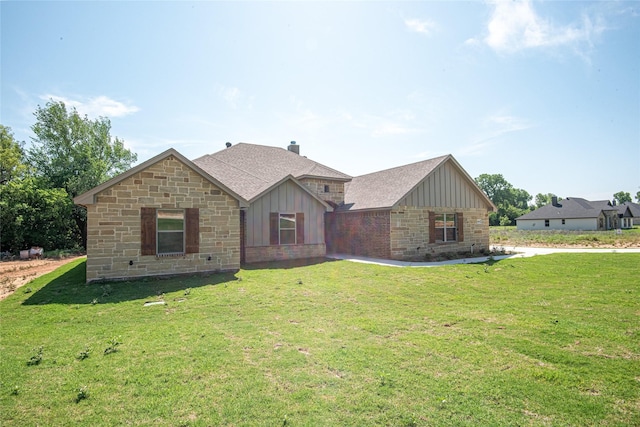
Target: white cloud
515 26
231 95
95 107
391 128
235 98
397 122
491 129
423 26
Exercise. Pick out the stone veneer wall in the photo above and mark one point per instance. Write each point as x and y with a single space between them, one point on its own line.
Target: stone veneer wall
283 252
114 224
316 186
358 233
410 232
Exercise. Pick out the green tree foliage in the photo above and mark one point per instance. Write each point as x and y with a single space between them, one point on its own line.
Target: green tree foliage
11 156
75 154
544 199
34 216
622 196
638 197
511 202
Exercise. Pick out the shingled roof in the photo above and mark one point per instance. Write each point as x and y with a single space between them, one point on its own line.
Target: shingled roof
571 207
634 208
251 169
383 189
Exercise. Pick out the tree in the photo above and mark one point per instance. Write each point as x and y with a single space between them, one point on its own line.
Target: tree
11 156
544 199
75 153
34 216
511 202
622 196
638 197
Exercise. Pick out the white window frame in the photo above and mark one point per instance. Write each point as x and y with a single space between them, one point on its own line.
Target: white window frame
290 216
444 227
159 231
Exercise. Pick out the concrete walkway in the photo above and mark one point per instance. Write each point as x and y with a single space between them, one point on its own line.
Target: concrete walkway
515 252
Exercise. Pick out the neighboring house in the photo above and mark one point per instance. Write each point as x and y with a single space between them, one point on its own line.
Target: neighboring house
252 203
574 213
407 212
634 208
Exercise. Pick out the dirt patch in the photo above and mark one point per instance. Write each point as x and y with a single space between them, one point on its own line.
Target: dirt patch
14 274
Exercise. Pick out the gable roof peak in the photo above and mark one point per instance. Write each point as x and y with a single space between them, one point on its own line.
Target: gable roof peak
386 188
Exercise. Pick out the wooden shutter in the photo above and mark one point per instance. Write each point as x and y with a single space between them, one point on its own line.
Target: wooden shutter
274 228
432 227
460 221
192 230
147 231
300 228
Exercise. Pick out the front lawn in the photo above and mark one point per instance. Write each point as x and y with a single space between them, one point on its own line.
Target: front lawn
548 340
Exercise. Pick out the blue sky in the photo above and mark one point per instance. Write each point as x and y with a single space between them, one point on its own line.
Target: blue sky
545 93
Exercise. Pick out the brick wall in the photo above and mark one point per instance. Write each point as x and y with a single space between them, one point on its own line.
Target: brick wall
358 233
316 186
410 232
283 252
113 224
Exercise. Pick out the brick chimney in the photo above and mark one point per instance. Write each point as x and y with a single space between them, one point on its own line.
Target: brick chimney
294 148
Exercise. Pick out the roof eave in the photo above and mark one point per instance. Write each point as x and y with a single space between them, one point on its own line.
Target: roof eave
323 177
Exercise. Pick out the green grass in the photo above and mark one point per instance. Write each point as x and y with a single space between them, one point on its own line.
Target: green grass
549 340
510 236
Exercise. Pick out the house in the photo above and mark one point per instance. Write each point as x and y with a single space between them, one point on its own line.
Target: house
250 203
574 213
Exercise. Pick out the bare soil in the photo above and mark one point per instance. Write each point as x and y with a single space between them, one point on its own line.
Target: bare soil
14 274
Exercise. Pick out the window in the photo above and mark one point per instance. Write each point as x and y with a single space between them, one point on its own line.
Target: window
326 188
169 231
563 222
287 226
446 227
546 222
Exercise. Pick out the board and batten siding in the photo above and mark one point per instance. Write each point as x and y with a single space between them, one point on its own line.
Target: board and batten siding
445 187
286 198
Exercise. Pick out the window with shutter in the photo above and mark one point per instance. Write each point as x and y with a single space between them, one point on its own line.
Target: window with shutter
169 231
286 228
445 226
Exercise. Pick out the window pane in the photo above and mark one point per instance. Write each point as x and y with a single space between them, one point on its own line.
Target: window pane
288 221
170 220
451 234
440 234
451 220
170 242
288 237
